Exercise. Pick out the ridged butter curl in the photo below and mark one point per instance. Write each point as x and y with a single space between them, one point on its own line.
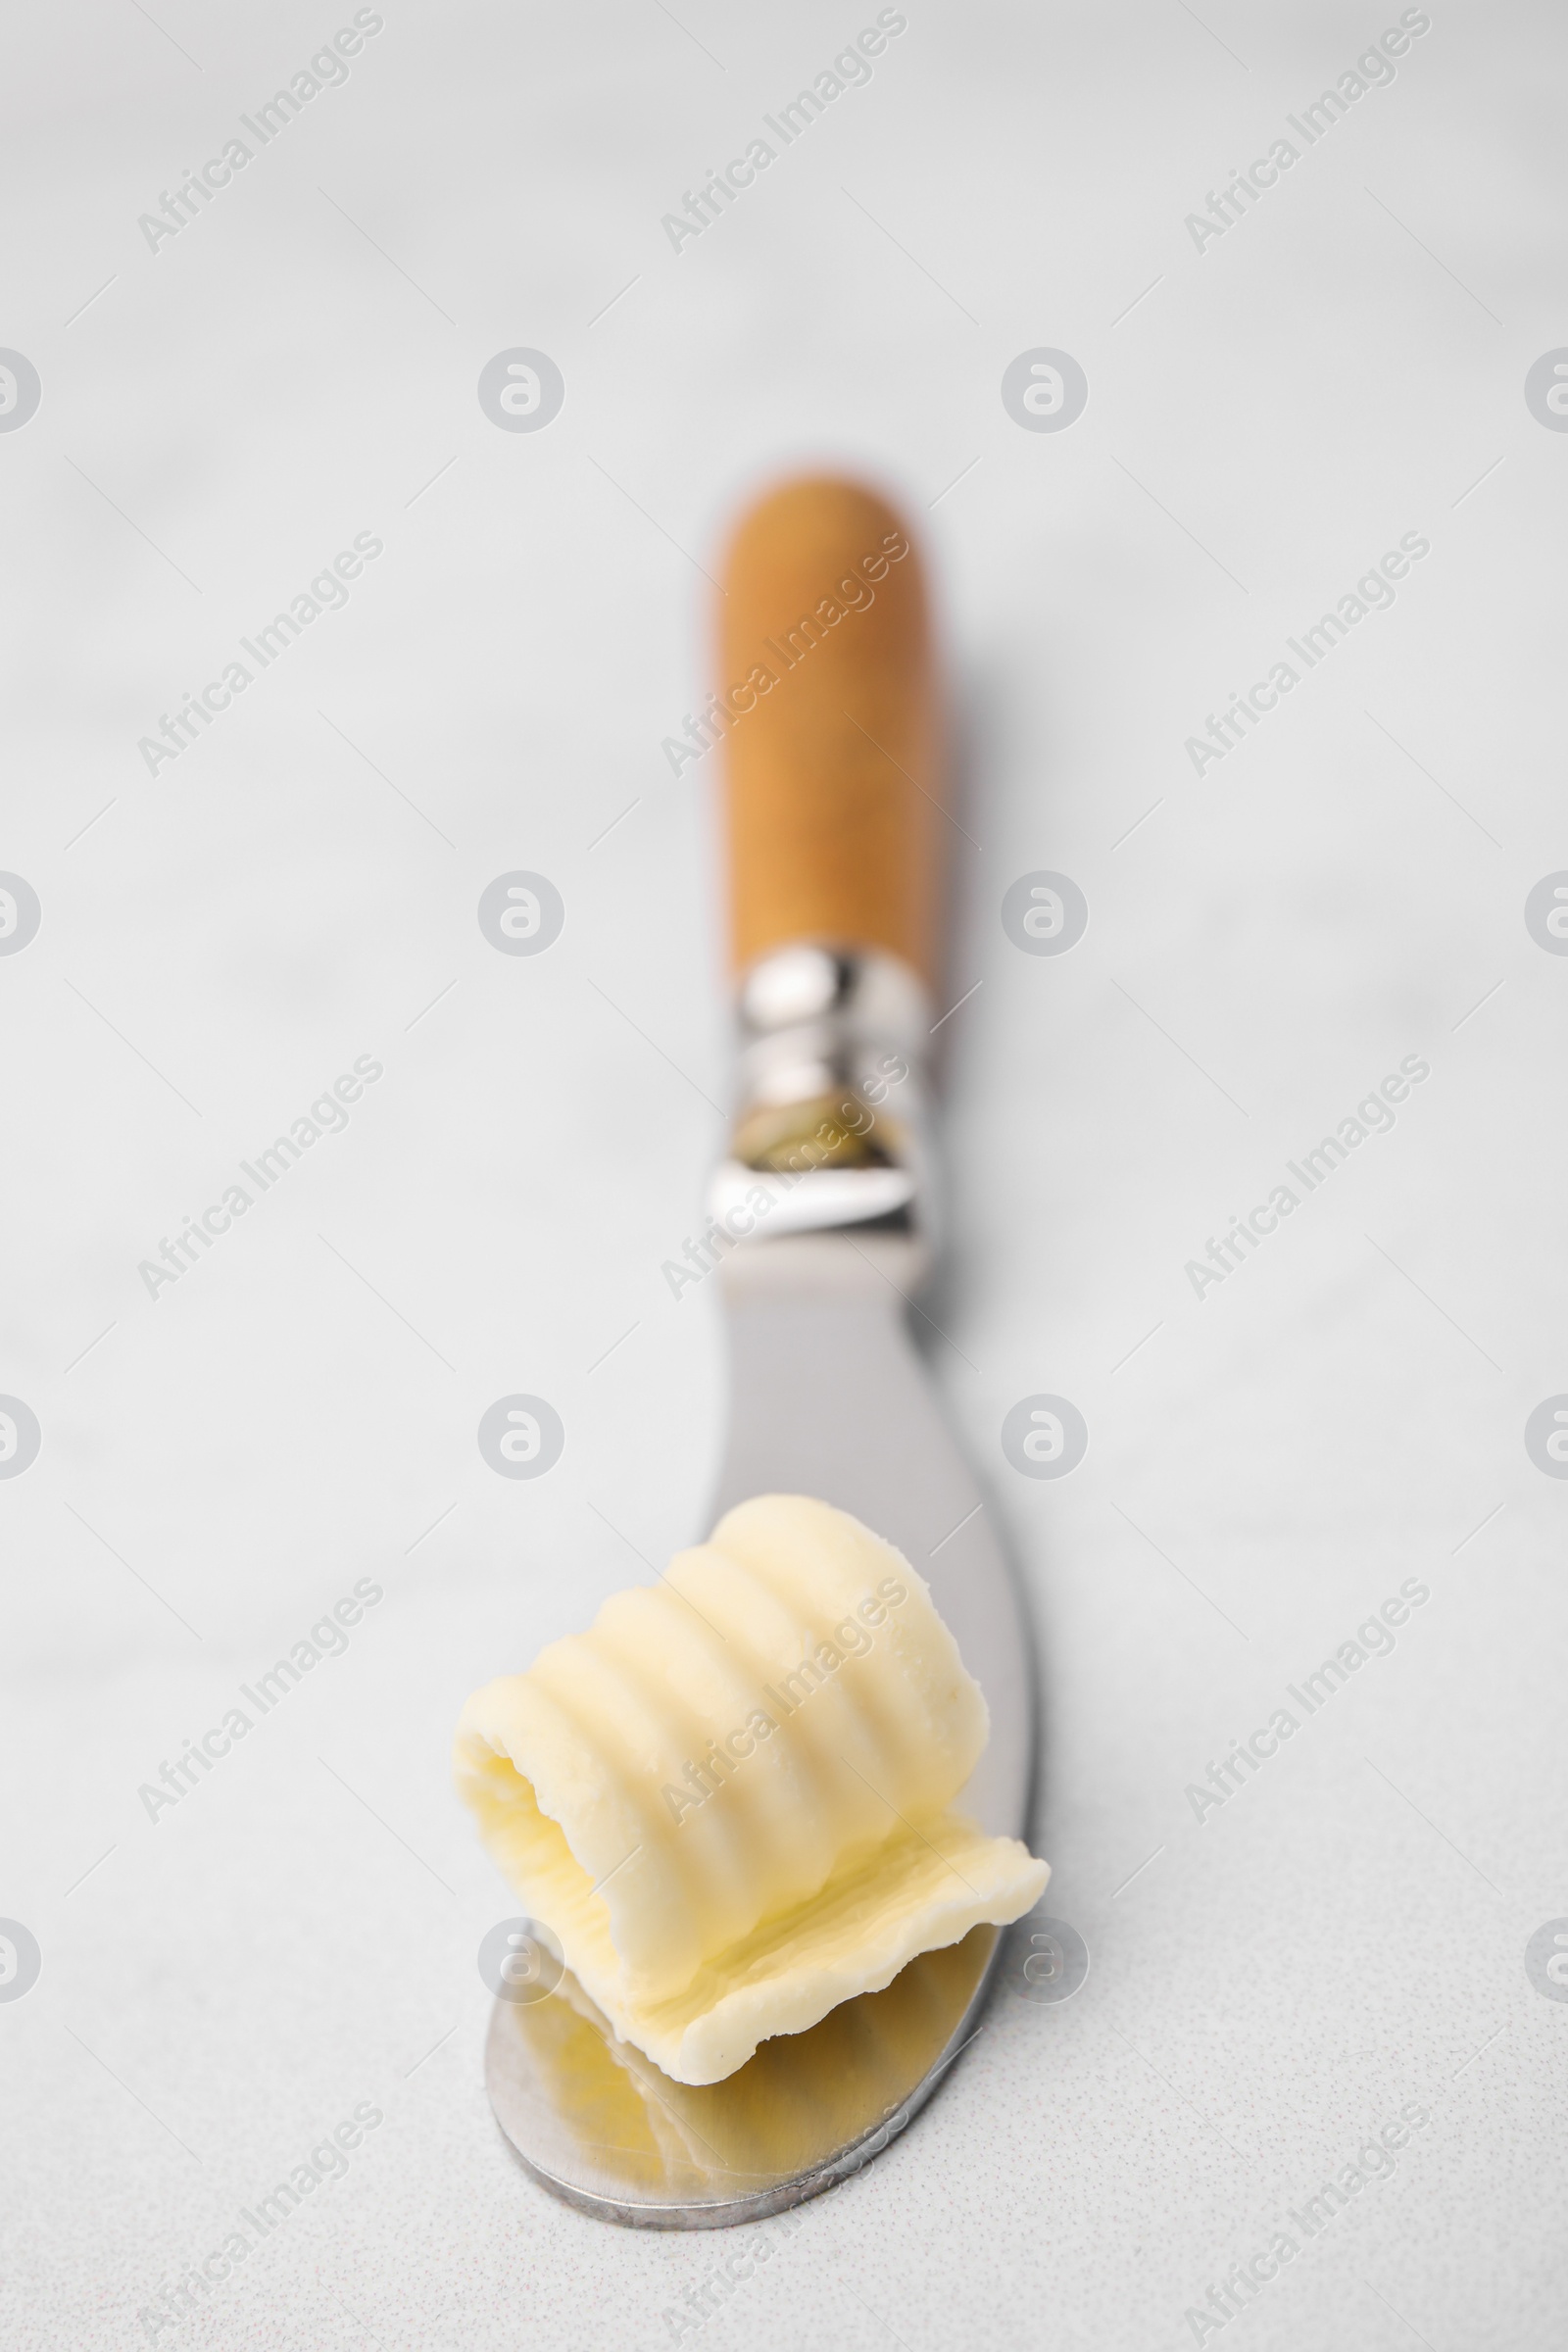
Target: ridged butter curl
730 1799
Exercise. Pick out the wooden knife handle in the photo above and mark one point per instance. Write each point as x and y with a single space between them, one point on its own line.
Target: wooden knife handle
829 710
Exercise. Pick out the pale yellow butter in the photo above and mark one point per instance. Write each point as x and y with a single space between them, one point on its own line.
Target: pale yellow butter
731 1799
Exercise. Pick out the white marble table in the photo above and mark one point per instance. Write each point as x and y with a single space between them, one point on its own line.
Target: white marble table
227 1979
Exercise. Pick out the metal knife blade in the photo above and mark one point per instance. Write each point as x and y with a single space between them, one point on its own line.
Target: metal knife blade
829 1398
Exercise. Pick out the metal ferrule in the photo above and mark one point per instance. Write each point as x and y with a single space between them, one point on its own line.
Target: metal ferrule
829 1125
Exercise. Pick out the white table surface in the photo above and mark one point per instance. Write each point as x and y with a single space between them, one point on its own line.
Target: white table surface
1343 1939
